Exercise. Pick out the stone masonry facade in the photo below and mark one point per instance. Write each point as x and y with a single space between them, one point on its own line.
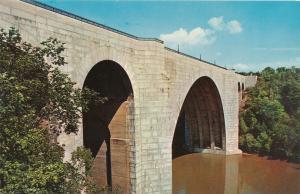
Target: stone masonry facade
160 78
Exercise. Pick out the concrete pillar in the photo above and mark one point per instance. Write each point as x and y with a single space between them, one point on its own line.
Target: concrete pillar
211 133
231 175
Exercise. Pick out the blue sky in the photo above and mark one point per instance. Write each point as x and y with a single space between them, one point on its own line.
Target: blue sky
247 36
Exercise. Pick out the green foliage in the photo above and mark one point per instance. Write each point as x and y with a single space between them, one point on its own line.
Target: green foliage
37 103
243 126
248 142
270 122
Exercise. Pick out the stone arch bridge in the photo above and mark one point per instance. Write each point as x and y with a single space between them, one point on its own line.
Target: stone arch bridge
161 102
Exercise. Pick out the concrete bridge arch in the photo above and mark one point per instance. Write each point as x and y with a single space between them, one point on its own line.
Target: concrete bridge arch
160 81
200 120
108 127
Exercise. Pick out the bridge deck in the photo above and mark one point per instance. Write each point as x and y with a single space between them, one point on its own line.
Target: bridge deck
85 20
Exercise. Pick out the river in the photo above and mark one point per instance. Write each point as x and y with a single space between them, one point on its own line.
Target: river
246 174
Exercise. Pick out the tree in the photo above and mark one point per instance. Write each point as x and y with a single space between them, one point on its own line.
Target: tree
270 121
37 103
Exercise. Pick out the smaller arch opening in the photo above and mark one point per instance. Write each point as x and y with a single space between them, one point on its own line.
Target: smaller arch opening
243 87
239 86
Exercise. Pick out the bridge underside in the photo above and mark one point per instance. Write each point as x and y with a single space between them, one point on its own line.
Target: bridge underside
200 126
106 126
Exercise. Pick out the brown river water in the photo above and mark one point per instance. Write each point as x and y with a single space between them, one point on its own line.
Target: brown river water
247 174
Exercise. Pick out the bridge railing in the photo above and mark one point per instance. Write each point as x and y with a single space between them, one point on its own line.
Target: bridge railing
198 59
74 16
79 18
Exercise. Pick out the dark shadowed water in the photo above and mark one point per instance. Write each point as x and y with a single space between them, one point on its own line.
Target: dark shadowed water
247 174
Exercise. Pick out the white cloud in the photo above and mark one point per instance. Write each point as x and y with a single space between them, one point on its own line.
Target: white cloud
201 36
234 26
241 67
294 61
216 23
198 36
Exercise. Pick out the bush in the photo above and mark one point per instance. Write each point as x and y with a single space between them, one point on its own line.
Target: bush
37 103
270 121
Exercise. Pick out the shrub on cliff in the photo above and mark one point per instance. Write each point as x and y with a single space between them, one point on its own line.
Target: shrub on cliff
270 121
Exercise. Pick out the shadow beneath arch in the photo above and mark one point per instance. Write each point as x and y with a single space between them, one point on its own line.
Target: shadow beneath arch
200 126
106 126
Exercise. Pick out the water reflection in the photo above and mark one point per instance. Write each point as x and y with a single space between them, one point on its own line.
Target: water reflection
248 174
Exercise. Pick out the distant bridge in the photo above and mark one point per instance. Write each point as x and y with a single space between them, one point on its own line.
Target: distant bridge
161 101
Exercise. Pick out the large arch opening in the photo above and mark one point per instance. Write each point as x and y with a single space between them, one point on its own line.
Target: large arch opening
200 126
106 127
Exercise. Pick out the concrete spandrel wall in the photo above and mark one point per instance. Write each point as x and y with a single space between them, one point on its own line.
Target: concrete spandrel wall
250 81
160 80
184 72
86 45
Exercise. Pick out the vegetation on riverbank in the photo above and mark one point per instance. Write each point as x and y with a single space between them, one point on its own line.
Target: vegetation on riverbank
270 119
37 103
